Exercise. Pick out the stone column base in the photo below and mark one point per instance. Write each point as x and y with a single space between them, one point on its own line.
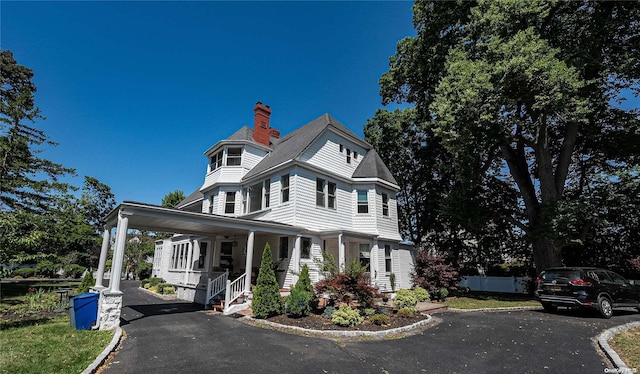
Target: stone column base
110 307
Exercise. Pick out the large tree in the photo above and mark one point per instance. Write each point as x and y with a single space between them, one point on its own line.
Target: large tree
27 180
172 199
524 95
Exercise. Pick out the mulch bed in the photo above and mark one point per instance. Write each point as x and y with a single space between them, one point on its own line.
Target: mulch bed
316 322
10 318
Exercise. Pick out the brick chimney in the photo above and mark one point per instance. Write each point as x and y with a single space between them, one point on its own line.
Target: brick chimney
261 129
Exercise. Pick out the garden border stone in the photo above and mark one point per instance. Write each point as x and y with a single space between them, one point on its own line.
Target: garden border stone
603 343
102 357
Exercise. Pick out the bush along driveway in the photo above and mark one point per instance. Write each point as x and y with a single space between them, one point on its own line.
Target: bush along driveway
166 336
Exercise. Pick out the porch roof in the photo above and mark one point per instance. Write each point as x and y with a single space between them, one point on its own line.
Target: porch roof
150 217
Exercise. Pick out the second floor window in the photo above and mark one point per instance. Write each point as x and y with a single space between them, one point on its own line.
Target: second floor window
267 192
216 161
320 192
385 205
230 203
255 197
331 195
363 202
234 156
348 156
284 188
387 258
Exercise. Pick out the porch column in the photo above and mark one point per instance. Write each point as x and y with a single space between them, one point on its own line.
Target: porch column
374 262
189 264
249 261
341 253
295 256
118 254
104 251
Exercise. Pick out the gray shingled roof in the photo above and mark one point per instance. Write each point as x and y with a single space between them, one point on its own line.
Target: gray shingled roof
195 196
372 166
245 133
294 144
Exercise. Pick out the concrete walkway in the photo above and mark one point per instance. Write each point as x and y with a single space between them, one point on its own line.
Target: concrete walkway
165 336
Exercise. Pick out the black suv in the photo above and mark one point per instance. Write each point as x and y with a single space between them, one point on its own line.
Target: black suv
582 287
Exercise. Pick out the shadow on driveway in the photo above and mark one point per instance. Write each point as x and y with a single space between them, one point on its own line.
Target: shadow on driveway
132 313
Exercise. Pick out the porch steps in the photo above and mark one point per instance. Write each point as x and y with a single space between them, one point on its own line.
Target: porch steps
430 308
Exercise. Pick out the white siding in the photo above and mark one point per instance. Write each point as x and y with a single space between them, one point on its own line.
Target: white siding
325 153
313 217
364 222
402 264
387 226
251 157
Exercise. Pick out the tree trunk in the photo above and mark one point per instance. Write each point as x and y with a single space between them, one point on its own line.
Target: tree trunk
545 254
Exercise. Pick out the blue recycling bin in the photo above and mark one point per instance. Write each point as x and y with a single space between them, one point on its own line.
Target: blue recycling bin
84 310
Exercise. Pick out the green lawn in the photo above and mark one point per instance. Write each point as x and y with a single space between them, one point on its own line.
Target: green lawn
50 348
37 338
490 301
627 345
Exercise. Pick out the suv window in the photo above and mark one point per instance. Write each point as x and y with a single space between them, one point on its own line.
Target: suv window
561 274
599 275
616 278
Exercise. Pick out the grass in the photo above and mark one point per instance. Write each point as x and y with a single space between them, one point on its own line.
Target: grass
482 301
50 348
36 338
627 346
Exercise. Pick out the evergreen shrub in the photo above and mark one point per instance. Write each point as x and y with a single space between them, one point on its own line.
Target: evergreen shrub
405 299
380 319
267 301
406 312
421 294
346 316
328 312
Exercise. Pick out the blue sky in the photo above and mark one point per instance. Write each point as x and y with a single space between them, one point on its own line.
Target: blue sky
135 92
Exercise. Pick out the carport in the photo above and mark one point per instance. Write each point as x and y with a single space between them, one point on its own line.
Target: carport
133 215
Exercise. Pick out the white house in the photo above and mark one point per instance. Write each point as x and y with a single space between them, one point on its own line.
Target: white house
319 188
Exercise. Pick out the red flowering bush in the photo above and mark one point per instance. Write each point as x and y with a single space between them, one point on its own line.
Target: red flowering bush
351 285
433 273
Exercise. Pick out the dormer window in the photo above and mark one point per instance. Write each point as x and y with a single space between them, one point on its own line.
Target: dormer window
355 155
234 156
348 156
216 161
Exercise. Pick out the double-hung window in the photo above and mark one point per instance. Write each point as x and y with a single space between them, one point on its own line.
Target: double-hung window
320 192
216 161
230 203
305 251
385 205
387 258
363 201
234 156
284 188
331 195
267 192
255 197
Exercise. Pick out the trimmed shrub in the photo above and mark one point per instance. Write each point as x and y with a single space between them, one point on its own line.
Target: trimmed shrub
87 283
168 290
380 319
24 272
267 301
346 316
405 299
298 302
74 271
328 312
441 293
406 312
161 286
304 283
47 269
349 285
144 270
421 294
367 312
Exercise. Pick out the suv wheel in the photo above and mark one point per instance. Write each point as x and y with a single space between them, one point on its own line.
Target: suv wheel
549 308
605 307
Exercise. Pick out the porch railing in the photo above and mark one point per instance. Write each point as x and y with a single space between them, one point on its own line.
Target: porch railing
235 289
216 284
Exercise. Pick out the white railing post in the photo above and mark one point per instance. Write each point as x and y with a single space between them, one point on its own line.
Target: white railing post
227 296
206 304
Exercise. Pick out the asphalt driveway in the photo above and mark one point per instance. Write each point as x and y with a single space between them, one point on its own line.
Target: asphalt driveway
177 337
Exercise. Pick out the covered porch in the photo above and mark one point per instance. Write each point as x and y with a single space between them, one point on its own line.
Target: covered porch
192 258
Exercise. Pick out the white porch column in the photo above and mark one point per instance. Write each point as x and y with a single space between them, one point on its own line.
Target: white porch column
249 261
374 262
341 253
118 254
295 256
104 251
189 265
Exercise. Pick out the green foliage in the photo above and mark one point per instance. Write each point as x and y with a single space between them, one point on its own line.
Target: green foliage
518 107
304 283
47 269
328 312
172 199
297 304
348 286
380 319
87 282
266 294
421 294
367 312
346 316
24 272
328 264
74 271
168 290
441 293
144 270
153 281
392 280
406 312
405 299
136 252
